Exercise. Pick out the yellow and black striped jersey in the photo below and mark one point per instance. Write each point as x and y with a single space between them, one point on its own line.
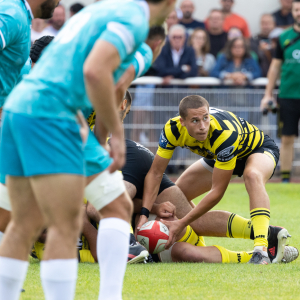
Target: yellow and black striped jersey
91 120
229 138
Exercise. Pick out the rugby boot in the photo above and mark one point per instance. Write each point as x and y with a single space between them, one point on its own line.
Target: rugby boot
259 258
290 254
277 238
137 254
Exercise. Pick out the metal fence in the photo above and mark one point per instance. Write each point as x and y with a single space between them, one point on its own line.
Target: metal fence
152 107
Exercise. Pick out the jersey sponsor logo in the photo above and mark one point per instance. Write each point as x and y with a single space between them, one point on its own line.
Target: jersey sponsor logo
163 141
296 54
226 154
213 110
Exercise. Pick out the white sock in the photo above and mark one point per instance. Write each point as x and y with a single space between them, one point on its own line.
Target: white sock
1 236
112 252
59 278
12 275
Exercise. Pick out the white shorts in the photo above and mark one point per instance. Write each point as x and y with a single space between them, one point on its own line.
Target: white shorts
4 199
104 189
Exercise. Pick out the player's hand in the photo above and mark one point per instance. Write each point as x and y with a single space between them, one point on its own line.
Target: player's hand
84 127
142 220
264 102
175 228
165 210
117 152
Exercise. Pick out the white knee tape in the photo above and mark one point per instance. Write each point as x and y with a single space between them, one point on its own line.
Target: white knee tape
104 189
166 256
4 199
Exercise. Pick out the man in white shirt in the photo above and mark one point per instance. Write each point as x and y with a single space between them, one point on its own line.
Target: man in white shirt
56 22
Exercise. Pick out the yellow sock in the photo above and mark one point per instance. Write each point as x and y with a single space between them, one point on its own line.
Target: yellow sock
191 237
131 229
234 257
238 227
260 218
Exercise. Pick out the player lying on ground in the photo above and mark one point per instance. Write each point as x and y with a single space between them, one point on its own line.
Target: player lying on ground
231 146
75 71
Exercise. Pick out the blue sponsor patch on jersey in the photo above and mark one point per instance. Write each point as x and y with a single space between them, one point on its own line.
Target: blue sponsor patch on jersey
163 141
226 154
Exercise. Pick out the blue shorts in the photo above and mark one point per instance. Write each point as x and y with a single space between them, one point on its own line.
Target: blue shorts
39 146
96 158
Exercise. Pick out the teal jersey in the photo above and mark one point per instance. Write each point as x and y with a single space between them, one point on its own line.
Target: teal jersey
25 70
142 61
15 23
55 87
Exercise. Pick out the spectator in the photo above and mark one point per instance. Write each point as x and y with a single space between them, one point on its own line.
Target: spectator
56 22
234 33
285 65
75 8
234 20
262 45
172 19
177 60
205 61
217 36
283 17
38 25
236 64
187 8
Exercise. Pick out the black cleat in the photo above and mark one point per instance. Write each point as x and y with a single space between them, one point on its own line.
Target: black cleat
259 259
276 243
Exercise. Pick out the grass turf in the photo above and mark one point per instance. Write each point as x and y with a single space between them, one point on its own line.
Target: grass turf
206 281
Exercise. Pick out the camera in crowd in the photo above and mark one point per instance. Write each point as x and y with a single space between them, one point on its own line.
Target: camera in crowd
271 107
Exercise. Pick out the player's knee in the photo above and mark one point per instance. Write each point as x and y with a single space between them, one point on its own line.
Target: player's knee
253 176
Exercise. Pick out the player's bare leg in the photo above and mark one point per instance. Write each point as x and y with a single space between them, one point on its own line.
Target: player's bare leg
23 229
4 220
213 223
60 199
259 168
195 181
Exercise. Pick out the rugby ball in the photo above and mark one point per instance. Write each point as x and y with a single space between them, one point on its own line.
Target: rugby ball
153 235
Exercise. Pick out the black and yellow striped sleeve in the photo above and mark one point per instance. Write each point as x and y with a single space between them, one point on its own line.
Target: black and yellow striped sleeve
226 146
168 140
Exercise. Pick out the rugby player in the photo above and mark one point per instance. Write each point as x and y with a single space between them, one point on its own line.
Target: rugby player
170 198
75 71
15 31
230 146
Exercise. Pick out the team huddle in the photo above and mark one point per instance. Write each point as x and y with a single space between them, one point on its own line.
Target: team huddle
70 194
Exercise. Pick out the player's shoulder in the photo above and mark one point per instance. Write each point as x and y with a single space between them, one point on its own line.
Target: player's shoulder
174 130
14 10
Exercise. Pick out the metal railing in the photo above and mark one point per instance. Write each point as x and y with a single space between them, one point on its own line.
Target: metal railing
152 107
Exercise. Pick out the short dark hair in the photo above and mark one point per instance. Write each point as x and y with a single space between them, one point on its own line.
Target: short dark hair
128 97
76 7
191 102
154 1
230 44
156 32
38 47
296 1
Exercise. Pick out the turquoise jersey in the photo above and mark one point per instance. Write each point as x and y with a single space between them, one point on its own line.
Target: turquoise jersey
25 70
142 61
55 87
15 22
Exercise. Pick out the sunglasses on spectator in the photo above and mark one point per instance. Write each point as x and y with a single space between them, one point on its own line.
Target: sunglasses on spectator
177 37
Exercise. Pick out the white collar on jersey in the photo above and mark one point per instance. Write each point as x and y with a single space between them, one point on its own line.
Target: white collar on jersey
145 7
29 9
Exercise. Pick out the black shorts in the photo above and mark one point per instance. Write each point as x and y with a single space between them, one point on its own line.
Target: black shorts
268 146
138 163
288 117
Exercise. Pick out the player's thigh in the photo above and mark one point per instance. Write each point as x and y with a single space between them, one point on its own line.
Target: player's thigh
174 195
60 197
130 188
195 181
4 219
25 209
259 168
121 207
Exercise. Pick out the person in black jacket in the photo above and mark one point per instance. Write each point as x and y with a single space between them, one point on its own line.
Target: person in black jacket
177 60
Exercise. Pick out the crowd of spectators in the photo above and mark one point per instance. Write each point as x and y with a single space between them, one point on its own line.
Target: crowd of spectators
220 46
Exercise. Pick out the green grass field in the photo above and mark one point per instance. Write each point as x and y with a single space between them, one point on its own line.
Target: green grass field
206 281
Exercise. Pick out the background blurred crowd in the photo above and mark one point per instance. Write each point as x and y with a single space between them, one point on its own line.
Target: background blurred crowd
220 46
